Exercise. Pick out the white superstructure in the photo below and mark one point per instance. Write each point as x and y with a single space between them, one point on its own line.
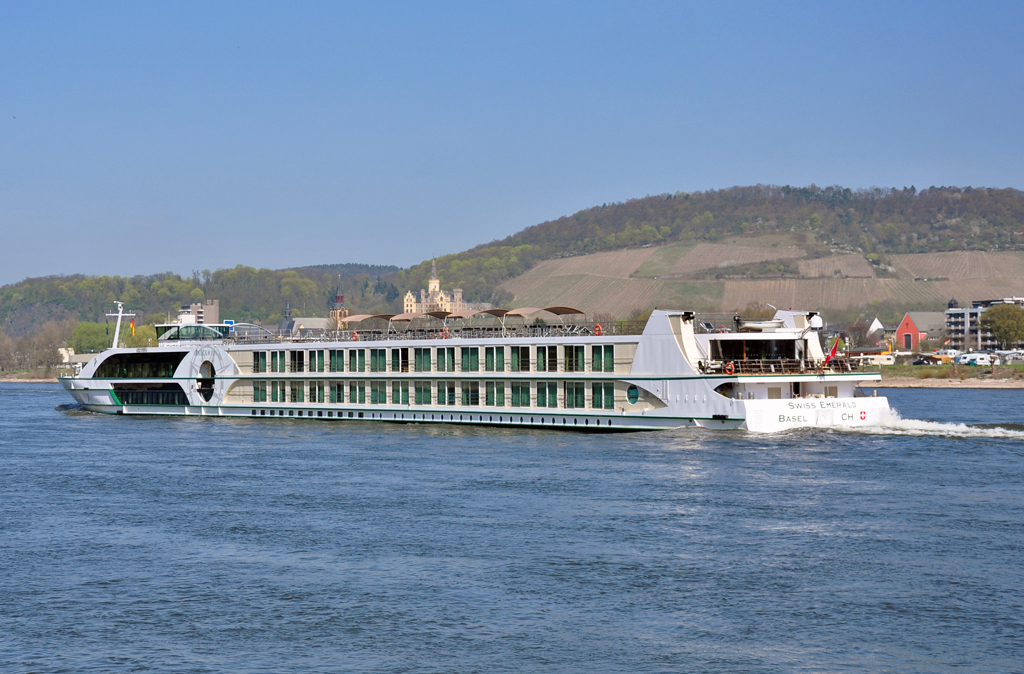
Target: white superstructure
765 376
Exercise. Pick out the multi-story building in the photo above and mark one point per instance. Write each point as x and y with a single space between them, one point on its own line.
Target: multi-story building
964 328
207 312
433 298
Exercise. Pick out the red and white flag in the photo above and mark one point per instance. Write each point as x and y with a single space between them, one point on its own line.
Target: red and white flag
832 353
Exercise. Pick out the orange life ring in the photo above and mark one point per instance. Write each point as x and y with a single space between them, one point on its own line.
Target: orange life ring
730 368
597 330
355 336
445 334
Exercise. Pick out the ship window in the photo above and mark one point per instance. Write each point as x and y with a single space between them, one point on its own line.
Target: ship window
140 365
422 360
494 359
446 359
400 360
603 395
357 360
470 359
520 394
259 362
336 360
547 359
633 395
298 361
149 394
316 361
197 332
753 349
495 394
574 359
520 359
400 392
445 392
547 393
470 393
422 392
603 359
378 360
575 396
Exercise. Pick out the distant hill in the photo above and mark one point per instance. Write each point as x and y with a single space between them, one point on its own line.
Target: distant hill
872 224
735 274
245 294
829 247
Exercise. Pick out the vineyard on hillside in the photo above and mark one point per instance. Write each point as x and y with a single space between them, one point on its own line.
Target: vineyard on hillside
960 265
852 266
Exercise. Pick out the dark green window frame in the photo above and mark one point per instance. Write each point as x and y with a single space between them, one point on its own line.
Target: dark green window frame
470 393
494 359
378 360
520 394
446 359
547 394
446 393
357 360
421 359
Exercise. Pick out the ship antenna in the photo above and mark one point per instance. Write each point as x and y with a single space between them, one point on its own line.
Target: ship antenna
117 328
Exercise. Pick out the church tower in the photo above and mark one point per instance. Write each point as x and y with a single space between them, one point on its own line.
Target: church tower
338 309
433 285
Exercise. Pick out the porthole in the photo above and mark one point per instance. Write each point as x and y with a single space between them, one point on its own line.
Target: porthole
632 394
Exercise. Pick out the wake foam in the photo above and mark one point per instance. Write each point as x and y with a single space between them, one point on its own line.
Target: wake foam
894 424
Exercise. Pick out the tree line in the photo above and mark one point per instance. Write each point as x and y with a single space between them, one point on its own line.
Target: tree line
877 221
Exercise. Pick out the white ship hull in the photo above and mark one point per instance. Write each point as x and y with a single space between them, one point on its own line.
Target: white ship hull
759 416
653 381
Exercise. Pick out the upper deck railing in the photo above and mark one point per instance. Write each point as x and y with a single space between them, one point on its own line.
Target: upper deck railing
765 366
384 332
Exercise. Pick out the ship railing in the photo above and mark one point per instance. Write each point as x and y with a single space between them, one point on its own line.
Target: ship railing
770 366
377 334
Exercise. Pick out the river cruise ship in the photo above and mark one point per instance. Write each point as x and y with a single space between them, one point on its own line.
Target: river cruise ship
494 367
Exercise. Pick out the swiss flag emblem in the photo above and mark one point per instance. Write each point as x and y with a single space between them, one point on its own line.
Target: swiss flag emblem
863 416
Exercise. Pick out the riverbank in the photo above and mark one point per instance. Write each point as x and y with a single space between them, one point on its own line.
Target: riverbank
950 376
915 382
22 380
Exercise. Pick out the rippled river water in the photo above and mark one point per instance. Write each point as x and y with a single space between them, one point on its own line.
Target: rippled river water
215 545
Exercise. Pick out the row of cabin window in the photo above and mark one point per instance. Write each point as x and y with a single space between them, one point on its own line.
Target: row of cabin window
520 394
602 359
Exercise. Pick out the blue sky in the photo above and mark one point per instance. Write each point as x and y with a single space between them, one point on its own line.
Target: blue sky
146 137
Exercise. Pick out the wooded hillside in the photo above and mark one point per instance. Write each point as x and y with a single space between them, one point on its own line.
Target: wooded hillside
873 223
822 232
245 294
